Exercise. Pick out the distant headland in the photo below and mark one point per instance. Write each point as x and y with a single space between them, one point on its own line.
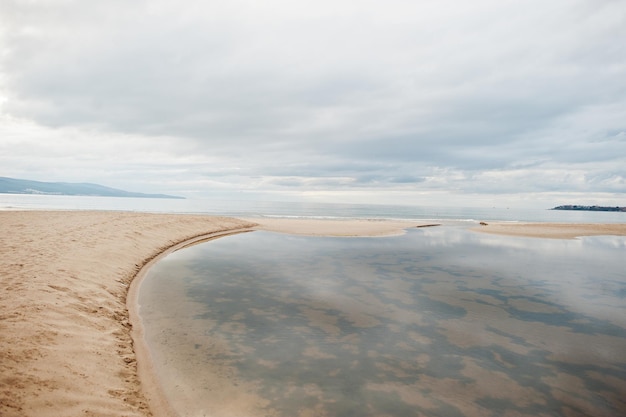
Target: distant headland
20 186
589 208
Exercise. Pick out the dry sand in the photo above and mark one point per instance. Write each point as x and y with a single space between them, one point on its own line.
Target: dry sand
553 230
65 344
65 336
343 228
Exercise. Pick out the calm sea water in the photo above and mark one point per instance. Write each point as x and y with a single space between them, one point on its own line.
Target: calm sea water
438 322
306 210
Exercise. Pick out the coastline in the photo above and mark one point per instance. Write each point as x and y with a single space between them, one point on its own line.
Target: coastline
67 315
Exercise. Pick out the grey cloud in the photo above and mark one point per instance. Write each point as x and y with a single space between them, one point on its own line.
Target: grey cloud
335 96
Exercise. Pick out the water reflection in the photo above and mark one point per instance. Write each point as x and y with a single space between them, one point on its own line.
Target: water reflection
439 322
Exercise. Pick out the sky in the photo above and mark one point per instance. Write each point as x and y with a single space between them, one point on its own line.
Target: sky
488 102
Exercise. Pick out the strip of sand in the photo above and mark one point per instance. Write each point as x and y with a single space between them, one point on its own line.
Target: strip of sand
553 230
65 335
339 228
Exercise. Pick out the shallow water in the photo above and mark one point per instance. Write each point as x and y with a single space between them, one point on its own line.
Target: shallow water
438 322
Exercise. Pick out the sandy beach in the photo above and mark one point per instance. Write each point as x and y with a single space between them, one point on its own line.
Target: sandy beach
65 344
65 334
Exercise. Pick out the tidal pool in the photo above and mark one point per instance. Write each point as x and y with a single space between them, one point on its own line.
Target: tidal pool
438 322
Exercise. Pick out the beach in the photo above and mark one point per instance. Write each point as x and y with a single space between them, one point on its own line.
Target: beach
66 335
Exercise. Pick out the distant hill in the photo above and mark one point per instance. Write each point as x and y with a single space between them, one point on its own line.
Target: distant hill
19 186
589 208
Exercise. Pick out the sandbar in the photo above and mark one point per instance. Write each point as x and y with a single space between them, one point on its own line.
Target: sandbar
336 228
65 331
553 230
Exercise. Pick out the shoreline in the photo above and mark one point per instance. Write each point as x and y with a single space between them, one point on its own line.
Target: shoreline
150 385
67 321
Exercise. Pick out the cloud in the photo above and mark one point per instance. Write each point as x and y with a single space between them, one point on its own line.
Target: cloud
484 97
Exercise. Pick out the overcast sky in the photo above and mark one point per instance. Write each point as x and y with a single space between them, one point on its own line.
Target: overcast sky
401 101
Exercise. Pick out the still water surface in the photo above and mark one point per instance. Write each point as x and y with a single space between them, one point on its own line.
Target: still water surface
438 322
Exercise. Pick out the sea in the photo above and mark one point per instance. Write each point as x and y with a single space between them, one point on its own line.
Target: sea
438 322
316 210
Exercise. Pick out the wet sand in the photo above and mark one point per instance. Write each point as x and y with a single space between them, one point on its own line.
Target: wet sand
65 335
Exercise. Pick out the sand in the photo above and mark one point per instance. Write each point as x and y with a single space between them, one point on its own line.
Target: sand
339 228
65 335
65 344
553 230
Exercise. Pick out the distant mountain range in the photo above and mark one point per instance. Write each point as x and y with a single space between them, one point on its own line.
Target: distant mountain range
20 186
589 208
